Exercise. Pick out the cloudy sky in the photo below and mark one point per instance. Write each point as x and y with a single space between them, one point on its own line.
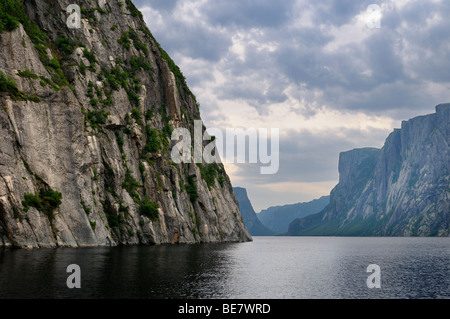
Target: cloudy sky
320 71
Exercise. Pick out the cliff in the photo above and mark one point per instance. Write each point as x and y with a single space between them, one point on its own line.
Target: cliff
401 190
254 226
86 119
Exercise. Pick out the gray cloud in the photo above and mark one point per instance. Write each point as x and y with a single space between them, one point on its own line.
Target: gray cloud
308 157
161 5
336 12
405 53
195 41
248 13
304 158
400 70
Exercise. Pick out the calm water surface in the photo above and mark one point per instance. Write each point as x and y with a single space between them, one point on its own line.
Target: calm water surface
268 267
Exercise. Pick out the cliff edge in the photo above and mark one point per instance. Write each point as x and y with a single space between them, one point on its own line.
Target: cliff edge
402 189
86 119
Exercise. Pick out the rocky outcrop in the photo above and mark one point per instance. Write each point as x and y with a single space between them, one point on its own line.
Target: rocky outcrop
86 119
401 190
278 218
254 226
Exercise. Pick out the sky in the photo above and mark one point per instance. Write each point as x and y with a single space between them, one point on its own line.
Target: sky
331 75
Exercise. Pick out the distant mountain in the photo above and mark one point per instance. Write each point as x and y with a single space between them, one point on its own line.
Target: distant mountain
278 218
402 189
252 222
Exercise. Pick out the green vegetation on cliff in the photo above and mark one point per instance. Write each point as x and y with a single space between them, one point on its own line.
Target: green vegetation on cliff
46 201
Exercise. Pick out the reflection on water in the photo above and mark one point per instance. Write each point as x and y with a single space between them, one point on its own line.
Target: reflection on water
123 272
268 267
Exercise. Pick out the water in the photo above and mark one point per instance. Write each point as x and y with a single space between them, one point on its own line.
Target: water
268 268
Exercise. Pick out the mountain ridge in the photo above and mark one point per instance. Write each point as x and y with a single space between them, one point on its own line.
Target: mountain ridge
85 121
401 189
278 218
254 225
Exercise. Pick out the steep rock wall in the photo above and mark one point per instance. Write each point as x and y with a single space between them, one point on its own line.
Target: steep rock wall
401 190
87 113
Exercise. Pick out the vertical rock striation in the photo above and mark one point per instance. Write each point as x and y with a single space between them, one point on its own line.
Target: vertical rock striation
401 190
254 226
86 119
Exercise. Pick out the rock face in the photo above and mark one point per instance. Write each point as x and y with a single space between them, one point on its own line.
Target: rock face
86 119
254 226
401 190
278 218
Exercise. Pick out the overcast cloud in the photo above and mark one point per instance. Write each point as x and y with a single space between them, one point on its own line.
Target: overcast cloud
311 68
